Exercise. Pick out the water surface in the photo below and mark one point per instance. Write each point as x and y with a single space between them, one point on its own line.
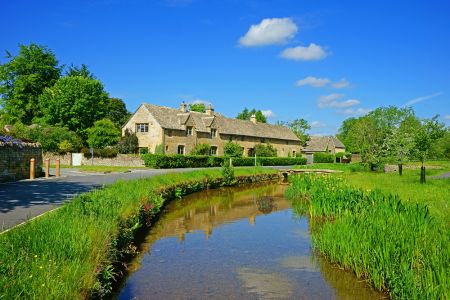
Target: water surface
236 243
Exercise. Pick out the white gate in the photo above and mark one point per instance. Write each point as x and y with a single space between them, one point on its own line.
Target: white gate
76 159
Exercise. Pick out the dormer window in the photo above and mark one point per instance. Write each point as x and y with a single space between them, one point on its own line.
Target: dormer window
189 130
213 133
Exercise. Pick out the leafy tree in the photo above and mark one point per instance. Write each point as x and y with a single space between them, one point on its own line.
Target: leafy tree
345 134
398 146
129 143
74 101
201 149
50 137
82 71
430 131
104 133
199 107
117 112
246 115
299 127
23 78
232 149
265 150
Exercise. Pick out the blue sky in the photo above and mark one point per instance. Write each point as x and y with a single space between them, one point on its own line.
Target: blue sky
319 60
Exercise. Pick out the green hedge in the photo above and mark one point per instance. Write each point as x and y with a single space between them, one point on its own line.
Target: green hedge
323 158
102 153
198 161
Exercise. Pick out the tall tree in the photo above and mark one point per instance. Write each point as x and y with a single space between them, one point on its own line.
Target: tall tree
246 114
117 112
82 71
104 133
300 128
198 107
23 78
430 131
75 102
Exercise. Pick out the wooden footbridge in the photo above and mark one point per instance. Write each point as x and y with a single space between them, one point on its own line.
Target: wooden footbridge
284 174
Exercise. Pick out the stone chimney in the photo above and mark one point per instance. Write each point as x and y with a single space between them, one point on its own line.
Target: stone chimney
209 110
253 119
183 107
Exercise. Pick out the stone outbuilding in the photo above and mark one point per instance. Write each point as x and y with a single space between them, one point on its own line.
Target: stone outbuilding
323 144
178 131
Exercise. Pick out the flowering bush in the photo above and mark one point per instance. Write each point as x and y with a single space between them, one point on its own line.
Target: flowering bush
10 141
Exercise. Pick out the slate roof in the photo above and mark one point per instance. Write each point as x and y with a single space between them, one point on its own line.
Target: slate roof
172 118
321 143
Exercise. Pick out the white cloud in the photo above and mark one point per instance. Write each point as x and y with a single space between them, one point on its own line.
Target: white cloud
321 82
269 32
268 113
423 98
340 84
313 81
354 112
331 101
312 52
318 124
447 117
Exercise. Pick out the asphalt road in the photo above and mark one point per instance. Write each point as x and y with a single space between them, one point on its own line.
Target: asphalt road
25 199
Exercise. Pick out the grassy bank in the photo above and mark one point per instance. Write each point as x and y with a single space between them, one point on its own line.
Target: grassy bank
398 247
434 193
74 252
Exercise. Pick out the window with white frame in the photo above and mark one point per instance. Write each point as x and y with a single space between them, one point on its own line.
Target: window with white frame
141 127
213 133
189 130
181 149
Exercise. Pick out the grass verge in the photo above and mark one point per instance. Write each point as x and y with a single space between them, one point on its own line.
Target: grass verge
75 252
398 247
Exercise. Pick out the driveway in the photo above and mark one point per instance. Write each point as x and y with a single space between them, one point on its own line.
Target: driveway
25 199
22 200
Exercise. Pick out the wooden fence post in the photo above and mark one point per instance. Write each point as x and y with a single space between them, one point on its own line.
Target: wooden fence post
57 168
32 169
47 167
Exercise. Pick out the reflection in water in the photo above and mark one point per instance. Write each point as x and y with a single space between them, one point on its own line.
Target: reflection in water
266 285
235 243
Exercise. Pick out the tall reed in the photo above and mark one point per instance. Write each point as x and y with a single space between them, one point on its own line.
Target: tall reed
399 248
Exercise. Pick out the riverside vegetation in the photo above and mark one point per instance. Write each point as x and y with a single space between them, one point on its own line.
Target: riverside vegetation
400 248
78 251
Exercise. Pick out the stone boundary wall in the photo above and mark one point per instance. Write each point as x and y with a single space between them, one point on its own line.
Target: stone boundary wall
15 161
394 168
122 160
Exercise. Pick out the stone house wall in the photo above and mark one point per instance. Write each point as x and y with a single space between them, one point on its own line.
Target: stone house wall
149 139
15 161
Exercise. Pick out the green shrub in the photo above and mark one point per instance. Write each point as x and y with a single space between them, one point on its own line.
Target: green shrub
159 149
102 153
323 158
65 146
265 150
128 144
228 172
50 137
104 133
231 149
198 161
143 151
201 149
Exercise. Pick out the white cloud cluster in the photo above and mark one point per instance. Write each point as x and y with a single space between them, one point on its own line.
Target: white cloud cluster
321 82
447 117
331 101
312 52
313 81
268 113
269 32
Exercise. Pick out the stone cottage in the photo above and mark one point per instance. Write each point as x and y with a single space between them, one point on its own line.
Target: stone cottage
324 144
178 131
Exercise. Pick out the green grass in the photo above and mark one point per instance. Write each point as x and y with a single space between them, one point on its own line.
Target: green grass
398 247
434 193
72 252
101 169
